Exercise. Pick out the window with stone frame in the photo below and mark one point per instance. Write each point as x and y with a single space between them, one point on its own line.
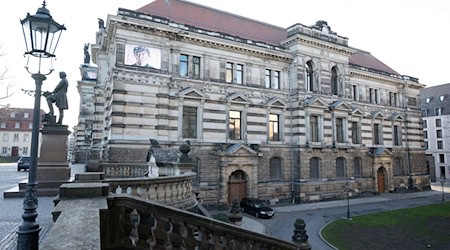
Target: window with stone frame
440 145
239 73
276 79
229 72
314 168
275 169
355 92
4 150
377 134
184 66
196 67
438 123
356 133
5 137
397 136
25 150
393 99
314 128
268 79
357 167
340 130
274 127
235 125
398 166
15 137
17 125
438 133
3 125
340 167
189 126
441 158
309 77
26 137
334 81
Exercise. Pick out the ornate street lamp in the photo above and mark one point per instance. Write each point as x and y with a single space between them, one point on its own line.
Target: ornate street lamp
41 35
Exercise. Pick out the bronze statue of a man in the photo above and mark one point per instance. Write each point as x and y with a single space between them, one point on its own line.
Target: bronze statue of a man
59 96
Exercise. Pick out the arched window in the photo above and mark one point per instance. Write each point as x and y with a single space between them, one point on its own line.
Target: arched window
357 167
398 166
309 76
334 81
340 167
314 168
275 169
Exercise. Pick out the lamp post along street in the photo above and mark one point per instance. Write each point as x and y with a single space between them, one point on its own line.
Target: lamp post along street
41 34
442 186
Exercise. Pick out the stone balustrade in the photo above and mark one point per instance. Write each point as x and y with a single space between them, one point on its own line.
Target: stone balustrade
175 191
137 223
122 170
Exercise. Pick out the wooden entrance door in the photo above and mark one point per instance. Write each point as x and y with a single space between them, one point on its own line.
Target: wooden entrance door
15 151
237 186
380 175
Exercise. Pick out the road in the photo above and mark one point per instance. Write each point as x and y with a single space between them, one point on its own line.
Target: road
11 209
281 225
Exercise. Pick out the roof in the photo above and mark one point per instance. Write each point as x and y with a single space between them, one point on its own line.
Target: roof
367 60
216 20
435 91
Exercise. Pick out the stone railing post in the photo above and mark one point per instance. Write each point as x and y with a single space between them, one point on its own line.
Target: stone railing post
300 237
235 213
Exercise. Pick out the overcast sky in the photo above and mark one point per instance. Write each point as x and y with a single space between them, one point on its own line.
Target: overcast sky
410 36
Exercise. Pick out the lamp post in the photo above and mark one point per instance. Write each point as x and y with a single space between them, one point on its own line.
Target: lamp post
87 140
348 190
41 35
442 185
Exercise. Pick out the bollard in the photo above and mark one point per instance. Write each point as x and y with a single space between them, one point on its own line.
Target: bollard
300 238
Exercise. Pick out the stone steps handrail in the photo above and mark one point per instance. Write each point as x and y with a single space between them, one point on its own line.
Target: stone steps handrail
137 223
170 190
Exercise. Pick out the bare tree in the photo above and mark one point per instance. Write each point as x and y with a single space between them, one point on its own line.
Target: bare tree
4 83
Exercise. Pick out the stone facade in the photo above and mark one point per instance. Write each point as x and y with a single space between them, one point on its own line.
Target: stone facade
300 118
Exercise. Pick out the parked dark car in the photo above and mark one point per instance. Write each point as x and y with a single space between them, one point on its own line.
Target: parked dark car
23 163
258 208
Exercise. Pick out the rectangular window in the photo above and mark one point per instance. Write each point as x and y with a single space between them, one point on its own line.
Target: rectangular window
234 125
371 95
17 125
26 115
30 125
196 66
441 158
424 123
314 127
4 150
274 127
13 115
377 134
340 130
239 73
5 137
25 150
355 92
184 65
356 138
438 133
440 145
26 137
437 111
397 136
376 96
438 123
393 99
16 138
189 122
229 72
276 79
3 125
425 134
357 167
268 78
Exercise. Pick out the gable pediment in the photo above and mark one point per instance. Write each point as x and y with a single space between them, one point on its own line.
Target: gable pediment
377 115
276 102
240 149
340 106
357 112
315 102
238 98
396 117
192 93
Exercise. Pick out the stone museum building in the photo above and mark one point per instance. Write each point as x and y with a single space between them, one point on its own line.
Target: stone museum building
278 113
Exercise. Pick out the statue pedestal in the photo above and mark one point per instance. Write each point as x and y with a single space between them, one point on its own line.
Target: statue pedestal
53 168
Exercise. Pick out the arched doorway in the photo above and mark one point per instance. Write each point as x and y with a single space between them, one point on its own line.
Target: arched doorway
237 186
381 180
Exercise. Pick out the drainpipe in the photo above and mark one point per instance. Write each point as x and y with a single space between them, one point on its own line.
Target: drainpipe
291 135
